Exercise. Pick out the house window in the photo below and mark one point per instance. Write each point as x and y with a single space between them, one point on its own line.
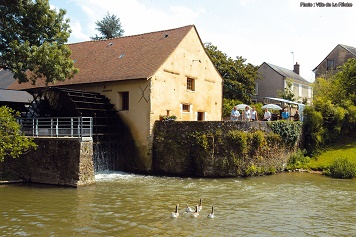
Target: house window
123 102
330 64
185 107
190 84
201 116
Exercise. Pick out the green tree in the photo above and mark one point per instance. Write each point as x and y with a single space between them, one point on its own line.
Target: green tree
326 89
239 77
12 142
109 27
346 78
33 37
287 93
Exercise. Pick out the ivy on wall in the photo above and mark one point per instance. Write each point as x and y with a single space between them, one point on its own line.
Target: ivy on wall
222 149
289 131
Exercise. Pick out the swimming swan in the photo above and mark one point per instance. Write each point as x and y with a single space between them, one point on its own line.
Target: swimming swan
189 209
196 213
176 213
200 207
211 214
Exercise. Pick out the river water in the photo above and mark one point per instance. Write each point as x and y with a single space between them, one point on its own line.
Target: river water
119 204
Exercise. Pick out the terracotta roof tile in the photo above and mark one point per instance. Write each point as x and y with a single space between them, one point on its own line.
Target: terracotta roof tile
123 58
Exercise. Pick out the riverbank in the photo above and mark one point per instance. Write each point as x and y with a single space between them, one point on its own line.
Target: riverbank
343 149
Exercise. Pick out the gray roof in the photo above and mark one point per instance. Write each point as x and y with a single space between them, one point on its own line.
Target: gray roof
287 73
352 50
15 96
6 78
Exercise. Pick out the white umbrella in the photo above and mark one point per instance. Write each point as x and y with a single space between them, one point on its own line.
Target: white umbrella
242 106
271 106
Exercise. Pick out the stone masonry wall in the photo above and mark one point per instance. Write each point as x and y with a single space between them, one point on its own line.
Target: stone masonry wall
218 149
57 161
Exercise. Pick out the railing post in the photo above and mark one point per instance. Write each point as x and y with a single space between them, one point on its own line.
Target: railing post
56 127
59 126
51 127
71 127
36 127
91 127
33 127
81 125
78 132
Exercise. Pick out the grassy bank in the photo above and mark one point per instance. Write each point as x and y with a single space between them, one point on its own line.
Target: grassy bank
344 149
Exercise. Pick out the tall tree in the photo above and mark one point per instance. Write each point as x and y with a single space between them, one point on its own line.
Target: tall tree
239 77
109 27
346 79
33 37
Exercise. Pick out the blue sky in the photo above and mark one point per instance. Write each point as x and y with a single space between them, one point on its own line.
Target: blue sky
258 30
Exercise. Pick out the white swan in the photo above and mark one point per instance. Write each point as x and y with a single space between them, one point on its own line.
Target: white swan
176 213
200 206
211 214
196 213
189 209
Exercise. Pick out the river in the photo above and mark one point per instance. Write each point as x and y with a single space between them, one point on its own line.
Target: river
121 204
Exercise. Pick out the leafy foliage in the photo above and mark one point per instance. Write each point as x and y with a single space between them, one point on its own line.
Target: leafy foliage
287 93
346 78
333 118
109 27
12 142
239 77
238 139
289 131
33 38
334 113
298 160
228 105
313 130
342 168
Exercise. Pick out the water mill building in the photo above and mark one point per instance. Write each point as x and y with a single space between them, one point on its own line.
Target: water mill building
126 84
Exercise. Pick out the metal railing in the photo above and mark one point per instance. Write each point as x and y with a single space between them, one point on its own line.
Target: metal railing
81 127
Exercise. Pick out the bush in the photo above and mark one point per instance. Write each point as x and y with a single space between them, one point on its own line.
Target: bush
289 131
313 130
333 119
342 168
298 160
238 139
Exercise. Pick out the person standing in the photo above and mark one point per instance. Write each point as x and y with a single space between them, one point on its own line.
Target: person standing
296 115
235 114
246 115
285 114
254 115
267 115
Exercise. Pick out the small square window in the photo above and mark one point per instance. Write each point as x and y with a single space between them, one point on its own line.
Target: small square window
190 84
186 108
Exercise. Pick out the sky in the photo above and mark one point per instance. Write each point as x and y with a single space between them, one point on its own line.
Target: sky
280 32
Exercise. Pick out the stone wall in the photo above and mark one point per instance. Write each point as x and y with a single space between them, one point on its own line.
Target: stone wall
57 161
218 149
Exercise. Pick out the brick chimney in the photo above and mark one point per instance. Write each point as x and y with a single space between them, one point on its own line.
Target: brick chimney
296 68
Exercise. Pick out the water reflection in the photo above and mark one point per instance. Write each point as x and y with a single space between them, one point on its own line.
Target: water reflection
119 204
